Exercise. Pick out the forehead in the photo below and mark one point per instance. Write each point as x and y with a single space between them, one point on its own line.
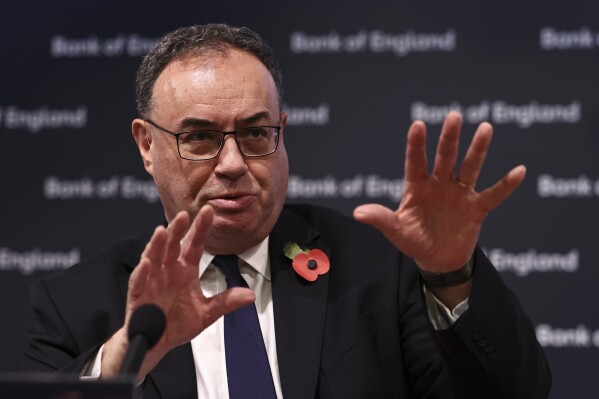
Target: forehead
219 87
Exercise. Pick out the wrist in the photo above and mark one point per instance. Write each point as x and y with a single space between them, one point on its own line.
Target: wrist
113 354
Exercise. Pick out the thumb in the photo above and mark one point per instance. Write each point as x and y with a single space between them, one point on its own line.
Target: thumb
378 216
228 301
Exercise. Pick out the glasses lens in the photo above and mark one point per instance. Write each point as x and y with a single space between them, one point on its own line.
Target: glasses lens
203 144
257 141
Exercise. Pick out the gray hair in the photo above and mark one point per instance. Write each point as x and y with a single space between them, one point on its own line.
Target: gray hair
199 40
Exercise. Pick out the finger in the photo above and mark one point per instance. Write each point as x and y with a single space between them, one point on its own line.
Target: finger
476 154
139 277
228 301
447 149
378 216
193 243
416 167
176 230
500 191
154 251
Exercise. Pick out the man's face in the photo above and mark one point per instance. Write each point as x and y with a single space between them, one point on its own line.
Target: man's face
224 93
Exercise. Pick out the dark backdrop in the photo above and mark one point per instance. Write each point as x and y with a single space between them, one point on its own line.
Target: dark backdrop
356 75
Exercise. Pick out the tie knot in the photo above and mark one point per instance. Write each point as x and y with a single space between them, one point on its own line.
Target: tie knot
228 265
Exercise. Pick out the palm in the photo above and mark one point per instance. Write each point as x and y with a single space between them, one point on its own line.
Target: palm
429 215
184 304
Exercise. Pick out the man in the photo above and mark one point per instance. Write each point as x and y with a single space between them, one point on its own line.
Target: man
211 134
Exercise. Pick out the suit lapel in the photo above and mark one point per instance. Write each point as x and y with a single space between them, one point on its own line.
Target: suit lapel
299 308
174 376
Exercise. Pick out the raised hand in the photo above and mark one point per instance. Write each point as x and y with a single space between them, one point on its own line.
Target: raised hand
168 276
440 215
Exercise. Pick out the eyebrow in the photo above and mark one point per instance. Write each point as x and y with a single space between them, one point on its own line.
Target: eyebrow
200 123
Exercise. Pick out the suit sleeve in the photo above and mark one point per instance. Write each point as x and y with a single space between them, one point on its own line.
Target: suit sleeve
426 372
492 350
51 345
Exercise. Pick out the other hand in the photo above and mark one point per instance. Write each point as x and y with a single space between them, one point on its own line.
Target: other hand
168 276
440 215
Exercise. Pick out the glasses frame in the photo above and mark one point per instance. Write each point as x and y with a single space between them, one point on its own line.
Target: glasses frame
222 142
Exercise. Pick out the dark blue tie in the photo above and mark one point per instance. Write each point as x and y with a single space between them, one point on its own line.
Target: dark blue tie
248 370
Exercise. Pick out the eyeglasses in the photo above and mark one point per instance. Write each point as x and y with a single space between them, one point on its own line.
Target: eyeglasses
201 145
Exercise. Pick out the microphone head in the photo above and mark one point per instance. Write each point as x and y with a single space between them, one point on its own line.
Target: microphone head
149 321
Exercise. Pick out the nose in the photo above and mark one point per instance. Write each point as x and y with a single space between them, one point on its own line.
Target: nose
231 162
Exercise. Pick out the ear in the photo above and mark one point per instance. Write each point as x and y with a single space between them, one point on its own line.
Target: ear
143 139
283 122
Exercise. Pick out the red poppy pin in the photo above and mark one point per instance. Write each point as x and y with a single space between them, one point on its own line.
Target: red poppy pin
308 263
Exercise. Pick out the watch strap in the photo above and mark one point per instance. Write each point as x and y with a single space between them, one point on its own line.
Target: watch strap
451 279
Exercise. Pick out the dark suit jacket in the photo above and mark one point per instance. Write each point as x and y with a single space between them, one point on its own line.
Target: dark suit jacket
360 331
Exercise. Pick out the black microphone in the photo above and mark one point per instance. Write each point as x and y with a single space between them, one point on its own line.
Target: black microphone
145 329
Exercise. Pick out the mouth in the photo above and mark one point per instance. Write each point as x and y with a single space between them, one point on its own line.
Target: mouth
232 202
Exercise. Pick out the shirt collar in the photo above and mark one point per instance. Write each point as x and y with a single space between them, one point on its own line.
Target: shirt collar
256 257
